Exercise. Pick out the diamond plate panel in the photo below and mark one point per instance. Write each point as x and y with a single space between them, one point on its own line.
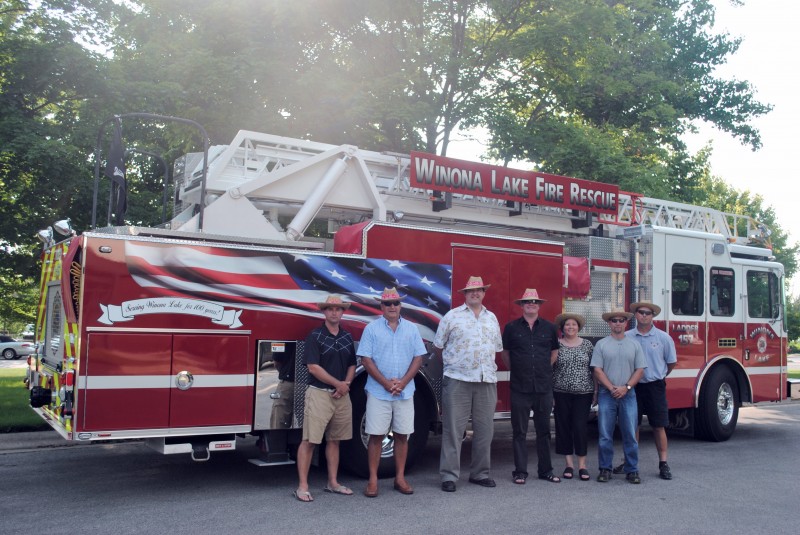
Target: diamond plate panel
300 385
607 287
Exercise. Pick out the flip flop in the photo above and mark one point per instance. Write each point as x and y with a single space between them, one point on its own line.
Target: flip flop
568 472
341 489
551 478
303 496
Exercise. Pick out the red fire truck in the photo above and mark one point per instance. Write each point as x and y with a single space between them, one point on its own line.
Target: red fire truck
191 335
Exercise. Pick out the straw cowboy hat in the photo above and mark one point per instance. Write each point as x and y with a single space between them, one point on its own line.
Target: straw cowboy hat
334 301
618 313
561 319
644 304
389 294
474 283
530 295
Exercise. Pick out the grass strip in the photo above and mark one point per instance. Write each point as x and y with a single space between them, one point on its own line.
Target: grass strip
16 414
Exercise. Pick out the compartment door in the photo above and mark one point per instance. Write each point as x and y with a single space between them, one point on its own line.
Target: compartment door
218 383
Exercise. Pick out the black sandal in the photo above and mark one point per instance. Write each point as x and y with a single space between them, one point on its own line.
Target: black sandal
552 478
519 477
568 472
584 474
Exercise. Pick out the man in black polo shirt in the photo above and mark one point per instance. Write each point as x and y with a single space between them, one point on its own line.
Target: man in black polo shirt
530 347
330 355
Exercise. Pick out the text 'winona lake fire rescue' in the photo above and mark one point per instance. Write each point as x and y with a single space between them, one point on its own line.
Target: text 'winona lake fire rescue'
440 173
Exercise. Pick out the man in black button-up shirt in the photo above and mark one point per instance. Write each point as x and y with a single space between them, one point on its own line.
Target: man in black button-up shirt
530 347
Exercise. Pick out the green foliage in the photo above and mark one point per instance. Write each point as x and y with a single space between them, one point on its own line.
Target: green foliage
46 78
618 83
588 88
793 322
18 305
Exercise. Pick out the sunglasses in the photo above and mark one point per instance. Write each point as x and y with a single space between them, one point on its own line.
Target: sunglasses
645 312
618 320
530 302
391 303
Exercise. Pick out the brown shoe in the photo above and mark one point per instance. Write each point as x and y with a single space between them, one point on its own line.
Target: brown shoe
371 492
403 488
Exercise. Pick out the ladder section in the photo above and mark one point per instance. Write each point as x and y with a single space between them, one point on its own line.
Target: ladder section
259 177
279 175
736 228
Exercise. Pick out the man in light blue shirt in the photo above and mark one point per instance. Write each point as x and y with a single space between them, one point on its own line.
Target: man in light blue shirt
651 392
391 351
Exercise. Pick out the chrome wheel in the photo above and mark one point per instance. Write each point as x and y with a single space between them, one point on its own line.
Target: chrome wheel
725 403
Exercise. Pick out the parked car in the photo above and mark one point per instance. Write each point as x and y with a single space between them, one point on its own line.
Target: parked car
14 349
27 332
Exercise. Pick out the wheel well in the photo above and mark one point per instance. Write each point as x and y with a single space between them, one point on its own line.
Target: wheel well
742 386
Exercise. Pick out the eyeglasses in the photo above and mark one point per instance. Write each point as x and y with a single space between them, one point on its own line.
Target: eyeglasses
529 302
645 312
391 303
618 320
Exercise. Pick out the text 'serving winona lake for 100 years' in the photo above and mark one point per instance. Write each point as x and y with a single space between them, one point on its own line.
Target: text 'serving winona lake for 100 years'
440 173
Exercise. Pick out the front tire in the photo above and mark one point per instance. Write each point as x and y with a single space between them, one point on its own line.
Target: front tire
9 354
718 411
353 456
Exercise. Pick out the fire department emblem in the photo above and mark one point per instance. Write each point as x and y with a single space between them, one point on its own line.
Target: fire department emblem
761 344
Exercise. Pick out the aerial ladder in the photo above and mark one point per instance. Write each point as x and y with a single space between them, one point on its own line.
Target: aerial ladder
260 178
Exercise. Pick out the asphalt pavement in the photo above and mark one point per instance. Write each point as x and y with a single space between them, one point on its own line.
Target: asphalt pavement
50 439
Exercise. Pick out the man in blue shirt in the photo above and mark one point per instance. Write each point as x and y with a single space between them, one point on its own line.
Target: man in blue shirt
391 352
651 391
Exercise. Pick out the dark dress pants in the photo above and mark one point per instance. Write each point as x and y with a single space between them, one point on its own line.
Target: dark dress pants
542 406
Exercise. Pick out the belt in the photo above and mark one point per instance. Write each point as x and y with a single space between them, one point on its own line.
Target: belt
323 389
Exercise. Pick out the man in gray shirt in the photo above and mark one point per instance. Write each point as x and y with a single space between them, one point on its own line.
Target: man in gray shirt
618 364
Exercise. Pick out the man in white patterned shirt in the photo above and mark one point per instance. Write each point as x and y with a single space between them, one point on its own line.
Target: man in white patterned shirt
468 339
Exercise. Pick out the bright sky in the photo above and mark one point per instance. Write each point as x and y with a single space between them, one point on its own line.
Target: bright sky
767 58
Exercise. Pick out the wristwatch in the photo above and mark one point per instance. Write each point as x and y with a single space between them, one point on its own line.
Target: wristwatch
628 386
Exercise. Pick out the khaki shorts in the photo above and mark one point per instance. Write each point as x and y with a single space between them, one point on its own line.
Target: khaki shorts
327 416
382 415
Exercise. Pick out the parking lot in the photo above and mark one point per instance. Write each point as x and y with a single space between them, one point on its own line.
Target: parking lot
748 484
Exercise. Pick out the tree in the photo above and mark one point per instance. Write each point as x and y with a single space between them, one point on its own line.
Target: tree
18 305
603 90
793 321
47 76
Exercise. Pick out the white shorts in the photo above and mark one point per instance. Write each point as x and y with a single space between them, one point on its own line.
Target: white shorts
381 414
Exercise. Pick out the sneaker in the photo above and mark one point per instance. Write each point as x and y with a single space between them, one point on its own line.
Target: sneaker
633 477
663 471
604 475
449 486
619 469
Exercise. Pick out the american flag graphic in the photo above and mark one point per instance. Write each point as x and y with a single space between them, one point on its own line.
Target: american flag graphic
291 283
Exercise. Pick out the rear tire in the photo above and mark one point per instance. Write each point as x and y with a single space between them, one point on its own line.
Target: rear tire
718 411
353 457
9 354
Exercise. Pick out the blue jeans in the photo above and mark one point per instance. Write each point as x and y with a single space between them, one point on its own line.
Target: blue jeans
609 410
